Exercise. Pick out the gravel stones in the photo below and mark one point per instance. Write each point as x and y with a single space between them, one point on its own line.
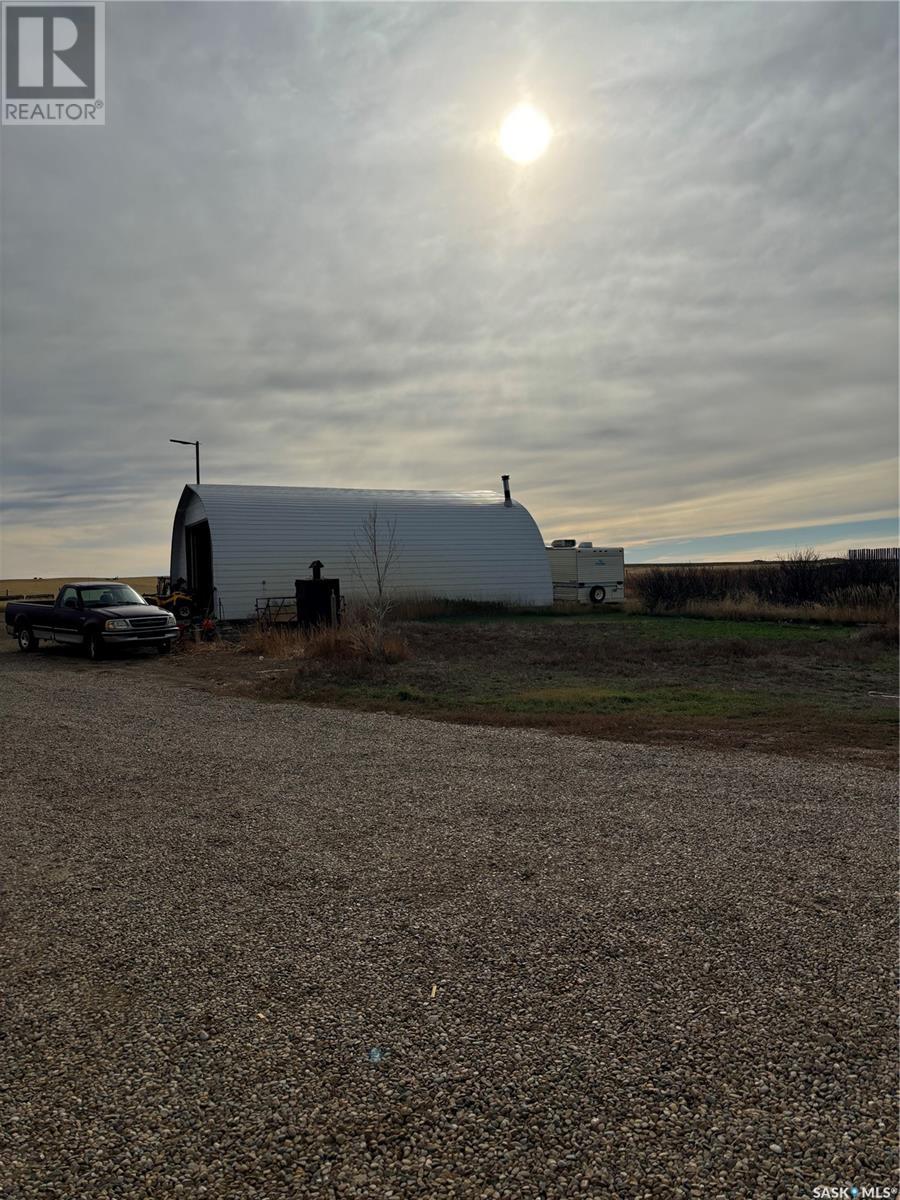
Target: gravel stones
590 969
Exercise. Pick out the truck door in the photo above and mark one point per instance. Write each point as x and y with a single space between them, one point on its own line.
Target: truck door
67 616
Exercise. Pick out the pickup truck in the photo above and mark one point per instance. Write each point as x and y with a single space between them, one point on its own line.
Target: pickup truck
95 615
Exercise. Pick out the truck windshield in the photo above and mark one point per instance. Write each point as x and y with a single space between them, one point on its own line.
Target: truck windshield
103 595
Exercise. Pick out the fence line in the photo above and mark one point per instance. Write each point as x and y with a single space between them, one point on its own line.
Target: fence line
884 553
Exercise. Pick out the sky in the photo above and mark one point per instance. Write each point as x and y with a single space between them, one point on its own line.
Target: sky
296 240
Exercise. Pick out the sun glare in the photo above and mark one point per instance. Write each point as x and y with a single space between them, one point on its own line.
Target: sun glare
525 134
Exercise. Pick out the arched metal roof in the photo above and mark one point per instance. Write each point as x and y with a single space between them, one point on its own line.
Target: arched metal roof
464 545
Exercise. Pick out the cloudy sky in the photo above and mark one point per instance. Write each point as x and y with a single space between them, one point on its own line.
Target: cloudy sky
296 240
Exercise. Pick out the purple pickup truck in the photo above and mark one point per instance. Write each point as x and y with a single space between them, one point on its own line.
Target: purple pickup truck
95 615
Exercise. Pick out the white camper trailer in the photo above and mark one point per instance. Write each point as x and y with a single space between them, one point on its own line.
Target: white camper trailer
585 573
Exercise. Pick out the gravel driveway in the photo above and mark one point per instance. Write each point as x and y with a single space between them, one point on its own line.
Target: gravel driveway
273 951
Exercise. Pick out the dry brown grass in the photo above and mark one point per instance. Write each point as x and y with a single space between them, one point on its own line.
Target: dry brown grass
350 642
887 634
799 587
750 609
395 649
281 642
331 643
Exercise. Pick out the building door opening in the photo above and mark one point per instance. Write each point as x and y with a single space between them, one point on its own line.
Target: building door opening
198 545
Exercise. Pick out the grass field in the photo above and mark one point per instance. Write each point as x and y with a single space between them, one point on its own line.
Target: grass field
789 688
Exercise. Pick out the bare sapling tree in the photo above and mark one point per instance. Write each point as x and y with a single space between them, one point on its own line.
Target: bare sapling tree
374 554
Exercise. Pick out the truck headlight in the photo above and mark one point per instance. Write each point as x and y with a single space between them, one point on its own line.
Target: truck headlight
170 619
117 624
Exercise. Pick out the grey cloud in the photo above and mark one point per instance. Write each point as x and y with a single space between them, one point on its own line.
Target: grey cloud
296 241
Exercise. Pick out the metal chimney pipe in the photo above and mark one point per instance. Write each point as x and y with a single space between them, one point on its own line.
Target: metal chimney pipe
507 499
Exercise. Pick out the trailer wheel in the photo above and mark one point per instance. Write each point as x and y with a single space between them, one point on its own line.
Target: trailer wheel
26 639
597 595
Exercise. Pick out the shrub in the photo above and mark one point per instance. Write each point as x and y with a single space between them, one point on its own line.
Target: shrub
800 581
673 587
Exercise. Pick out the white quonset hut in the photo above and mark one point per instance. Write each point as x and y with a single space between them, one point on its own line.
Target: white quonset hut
236 545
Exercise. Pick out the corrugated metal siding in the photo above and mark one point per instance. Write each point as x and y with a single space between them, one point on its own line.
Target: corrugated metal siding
465 545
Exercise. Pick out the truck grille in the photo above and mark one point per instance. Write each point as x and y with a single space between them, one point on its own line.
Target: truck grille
148 622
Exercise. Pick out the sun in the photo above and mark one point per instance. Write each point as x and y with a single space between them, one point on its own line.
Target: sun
525 134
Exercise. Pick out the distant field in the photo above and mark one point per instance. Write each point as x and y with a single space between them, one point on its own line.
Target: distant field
646 566
16 589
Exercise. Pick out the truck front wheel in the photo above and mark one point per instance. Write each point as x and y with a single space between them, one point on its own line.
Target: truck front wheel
26 639
93 644
597 595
